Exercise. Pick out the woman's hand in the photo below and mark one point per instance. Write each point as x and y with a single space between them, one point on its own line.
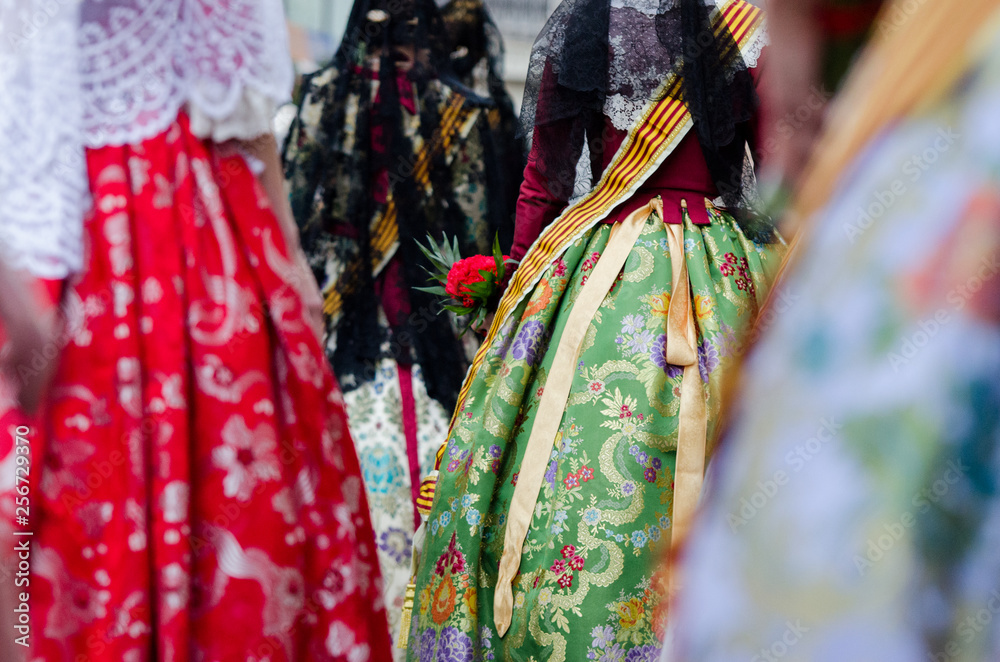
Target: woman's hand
30 355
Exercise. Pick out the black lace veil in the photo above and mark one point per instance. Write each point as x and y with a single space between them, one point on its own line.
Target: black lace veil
335 175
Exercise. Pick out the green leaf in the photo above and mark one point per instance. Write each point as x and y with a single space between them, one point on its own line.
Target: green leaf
438 290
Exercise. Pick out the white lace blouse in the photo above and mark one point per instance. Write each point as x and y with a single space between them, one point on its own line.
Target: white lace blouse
90 73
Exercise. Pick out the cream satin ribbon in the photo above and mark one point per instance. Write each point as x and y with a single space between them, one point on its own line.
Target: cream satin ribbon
681 350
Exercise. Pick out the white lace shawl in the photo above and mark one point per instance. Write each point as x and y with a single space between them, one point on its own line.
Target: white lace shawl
92 73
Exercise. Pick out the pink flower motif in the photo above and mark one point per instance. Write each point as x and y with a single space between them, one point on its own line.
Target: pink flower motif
576 562
558 566
568 551
565 581
727 269
560 268
626 412
571 481
513 481
585 473
731 258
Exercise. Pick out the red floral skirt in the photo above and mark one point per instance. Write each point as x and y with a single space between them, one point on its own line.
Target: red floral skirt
198 496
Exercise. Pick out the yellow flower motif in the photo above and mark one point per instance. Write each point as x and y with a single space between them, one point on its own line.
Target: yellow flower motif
630 612
703 306
470 601
545 596
519 600
659 302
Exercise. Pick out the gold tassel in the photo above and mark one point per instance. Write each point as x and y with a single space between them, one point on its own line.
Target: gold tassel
407 616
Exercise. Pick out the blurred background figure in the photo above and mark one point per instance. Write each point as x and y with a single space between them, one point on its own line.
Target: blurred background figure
814 43
194 490
407 132
856 512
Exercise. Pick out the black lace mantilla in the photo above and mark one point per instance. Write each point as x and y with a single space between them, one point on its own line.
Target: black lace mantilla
598 59
365 97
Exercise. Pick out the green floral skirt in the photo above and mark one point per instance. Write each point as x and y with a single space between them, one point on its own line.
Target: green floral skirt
588 583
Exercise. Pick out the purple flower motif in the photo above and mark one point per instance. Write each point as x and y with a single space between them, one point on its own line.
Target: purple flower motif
647 653
633 323
527 341
602 636
454 646
641 457
641 342
708 359
657 463
650 475
633 450
658 355
494 451
504 338
628 487
396 544
425 649
613 653
550 474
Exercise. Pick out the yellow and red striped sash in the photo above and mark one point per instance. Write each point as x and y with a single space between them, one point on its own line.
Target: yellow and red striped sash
662 126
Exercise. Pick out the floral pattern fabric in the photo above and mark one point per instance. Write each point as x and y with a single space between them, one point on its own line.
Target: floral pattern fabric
586 588
375 410
857 509
199 497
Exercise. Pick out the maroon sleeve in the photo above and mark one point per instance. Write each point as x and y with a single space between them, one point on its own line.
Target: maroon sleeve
537 205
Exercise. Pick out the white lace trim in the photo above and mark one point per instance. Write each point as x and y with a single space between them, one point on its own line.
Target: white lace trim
252 118
142 60
110 72
751 54
43 184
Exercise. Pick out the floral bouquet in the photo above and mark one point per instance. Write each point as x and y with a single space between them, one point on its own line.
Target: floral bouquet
472 285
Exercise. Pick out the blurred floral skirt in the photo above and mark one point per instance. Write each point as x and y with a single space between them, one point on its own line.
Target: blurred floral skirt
396 428
587 587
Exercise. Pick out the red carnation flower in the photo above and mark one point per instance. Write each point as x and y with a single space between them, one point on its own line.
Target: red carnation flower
466 272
